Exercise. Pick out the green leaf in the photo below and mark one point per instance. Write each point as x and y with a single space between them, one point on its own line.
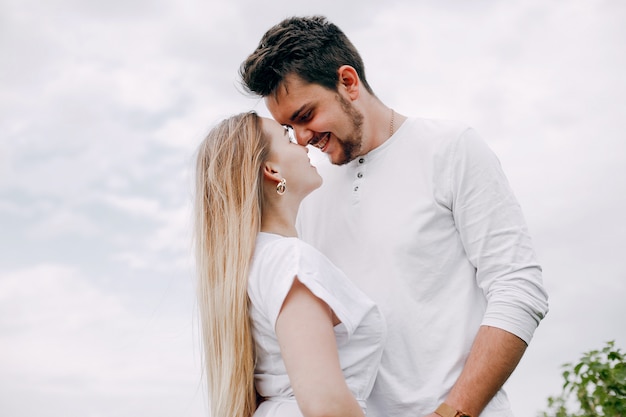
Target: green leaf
598 385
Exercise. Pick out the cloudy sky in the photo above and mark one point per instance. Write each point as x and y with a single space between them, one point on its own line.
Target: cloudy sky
102 104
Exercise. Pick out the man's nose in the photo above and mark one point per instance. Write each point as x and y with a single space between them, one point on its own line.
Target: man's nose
303 135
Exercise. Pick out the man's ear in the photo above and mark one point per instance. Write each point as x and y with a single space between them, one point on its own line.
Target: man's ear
349 81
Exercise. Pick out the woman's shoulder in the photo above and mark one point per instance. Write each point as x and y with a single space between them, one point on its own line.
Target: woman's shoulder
278 259
271 247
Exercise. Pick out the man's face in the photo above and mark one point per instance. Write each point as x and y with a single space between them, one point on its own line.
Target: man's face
320 117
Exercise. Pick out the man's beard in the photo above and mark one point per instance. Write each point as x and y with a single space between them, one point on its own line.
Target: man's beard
351 144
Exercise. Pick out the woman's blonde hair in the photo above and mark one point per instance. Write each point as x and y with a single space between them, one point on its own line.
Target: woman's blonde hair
227 220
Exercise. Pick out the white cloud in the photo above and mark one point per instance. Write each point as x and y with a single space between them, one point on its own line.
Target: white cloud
60 334
135 205
103 104
63 222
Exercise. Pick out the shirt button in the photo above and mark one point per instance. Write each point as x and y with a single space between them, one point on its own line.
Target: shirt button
360 175
361 160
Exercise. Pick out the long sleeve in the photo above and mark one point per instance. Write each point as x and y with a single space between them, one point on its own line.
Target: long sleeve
496 239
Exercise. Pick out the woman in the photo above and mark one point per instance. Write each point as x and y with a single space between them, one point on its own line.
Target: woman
279 322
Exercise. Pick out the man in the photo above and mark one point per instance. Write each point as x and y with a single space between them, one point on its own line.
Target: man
420 215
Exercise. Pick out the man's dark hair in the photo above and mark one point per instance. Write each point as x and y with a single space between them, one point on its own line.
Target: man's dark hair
309 47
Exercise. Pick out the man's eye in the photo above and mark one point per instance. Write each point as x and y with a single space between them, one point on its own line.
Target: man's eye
305 116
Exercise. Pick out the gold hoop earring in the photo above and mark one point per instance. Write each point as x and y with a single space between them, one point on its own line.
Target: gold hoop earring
281 187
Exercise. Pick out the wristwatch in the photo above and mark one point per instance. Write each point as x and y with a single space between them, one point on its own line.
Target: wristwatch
444 410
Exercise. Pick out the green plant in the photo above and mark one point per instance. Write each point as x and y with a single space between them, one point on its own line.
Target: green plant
594 387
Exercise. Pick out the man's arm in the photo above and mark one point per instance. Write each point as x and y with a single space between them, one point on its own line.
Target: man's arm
494 355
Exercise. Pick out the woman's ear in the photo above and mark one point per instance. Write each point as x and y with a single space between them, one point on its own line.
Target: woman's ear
349 80
271 173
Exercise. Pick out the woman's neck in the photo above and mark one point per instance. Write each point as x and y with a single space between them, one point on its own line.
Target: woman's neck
286 230
279 221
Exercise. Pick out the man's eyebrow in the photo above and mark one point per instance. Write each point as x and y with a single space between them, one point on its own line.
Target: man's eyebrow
296 113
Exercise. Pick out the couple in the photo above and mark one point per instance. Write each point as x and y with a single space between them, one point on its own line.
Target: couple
405 285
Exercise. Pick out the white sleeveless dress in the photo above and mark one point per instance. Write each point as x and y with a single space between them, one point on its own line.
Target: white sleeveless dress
360 336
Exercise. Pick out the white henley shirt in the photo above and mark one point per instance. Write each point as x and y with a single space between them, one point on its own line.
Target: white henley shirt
428 227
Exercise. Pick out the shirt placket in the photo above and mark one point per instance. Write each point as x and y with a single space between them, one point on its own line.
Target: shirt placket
358 180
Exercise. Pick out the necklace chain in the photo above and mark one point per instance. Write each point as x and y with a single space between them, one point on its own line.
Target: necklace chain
391 125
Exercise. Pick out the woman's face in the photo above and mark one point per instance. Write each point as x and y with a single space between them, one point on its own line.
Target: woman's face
290 160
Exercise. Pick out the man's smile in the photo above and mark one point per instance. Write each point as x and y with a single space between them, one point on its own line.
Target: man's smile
320 141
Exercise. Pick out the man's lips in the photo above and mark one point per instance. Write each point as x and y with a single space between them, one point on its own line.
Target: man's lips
321 141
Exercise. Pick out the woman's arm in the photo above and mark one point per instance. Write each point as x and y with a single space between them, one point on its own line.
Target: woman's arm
307 343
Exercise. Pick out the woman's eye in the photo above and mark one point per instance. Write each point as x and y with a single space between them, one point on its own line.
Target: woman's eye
291 134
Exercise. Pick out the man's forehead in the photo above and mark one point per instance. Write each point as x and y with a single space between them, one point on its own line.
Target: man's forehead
287 102
289 87
278 107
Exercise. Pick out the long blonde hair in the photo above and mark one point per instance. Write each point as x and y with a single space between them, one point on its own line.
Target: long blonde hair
227 221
